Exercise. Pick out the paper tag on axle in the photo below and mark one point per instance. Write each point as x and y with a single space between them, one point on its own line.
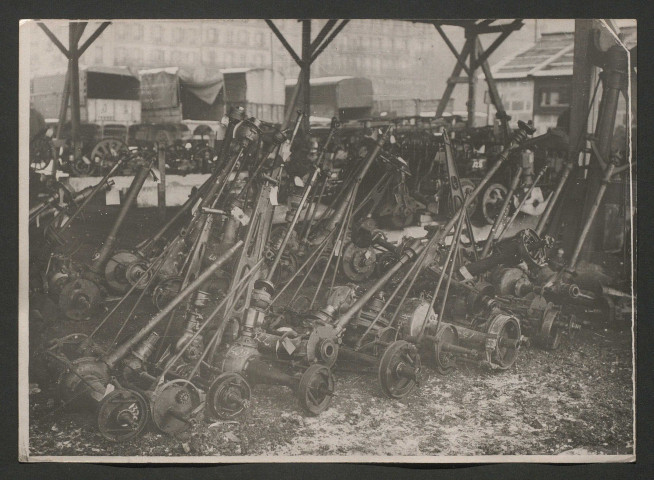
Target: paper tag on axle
240 215
273 196
285 150
288 345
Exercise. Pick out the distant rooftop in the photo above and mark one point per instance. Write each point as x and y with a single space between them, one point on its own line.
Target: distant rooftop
551 55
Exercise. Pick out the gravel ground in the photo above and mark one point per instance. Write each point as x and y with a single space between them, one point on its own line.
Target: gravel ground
577 400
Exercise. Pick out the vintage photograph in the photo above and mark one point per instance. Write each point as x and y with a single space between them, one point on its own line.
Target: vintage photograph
327 240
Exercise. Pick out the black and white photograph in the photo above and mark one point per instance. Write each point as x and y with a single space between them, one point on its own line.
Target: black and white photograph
327 240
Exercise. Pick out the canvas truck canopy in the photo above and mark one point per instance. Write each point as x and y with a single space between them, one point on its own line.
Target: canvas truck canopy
115 83
106 94
259 90
159 88
343 96
172 94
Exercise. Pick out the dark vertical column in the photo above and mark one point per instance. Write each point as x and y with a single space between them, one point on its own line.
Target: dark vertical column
306 72
63 109
568 211
73 68
472 78
614 78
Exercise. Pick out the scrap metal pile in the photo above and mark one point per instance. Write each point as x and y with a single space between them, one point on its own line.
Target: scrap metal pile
238 300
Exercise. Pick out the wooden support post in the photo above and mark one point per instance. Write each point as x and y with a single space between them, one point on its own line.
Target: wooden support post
614 80
306 72
63 109
460 58
494 93
73 67
568 210
472 78
442 104
161 186
291 105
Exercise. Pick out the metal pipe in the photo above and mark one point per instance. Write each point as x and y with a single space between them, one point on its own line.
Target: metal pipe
456 241
99 186
442 275
290 227
192 200
522 203
502 212
130 200
591 217
112 358
341 209
544 218
190 341
412 252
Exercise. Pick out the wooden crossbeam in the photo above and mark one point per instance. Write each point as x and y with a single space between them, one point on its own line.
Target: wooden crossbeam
460 58
93 37
322 34
285 43
496 28
54 39
450 86
329 39
497 42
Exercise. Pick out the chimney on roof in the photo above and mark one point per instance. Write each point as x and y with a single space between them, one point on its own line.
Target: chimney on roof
536 31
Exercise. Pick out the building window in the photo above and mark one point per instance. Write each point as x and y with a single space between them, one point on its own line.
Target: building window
229 37
157 33
98 55
259 39
229 59
242 62
192 35
554 96
212 35
157 57
137 32
121 56
243 38
136 56
178 35
176 57
517 105
121 30
211 57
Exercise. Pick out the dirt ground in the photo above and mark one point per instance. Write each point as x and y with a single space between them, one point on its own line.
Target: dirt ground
577 400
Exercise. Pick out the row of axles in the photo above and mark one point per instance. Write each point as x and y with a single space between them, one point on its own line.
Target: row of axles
194 374
129 391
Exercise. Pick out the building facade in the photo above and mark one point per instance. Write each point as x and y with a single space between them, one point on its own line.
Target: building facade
406 61
396 55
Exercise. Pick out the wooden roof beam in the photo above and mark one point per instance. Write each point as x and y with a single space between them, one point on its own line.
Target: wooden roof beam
284 42
103 26
328 40
54 39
